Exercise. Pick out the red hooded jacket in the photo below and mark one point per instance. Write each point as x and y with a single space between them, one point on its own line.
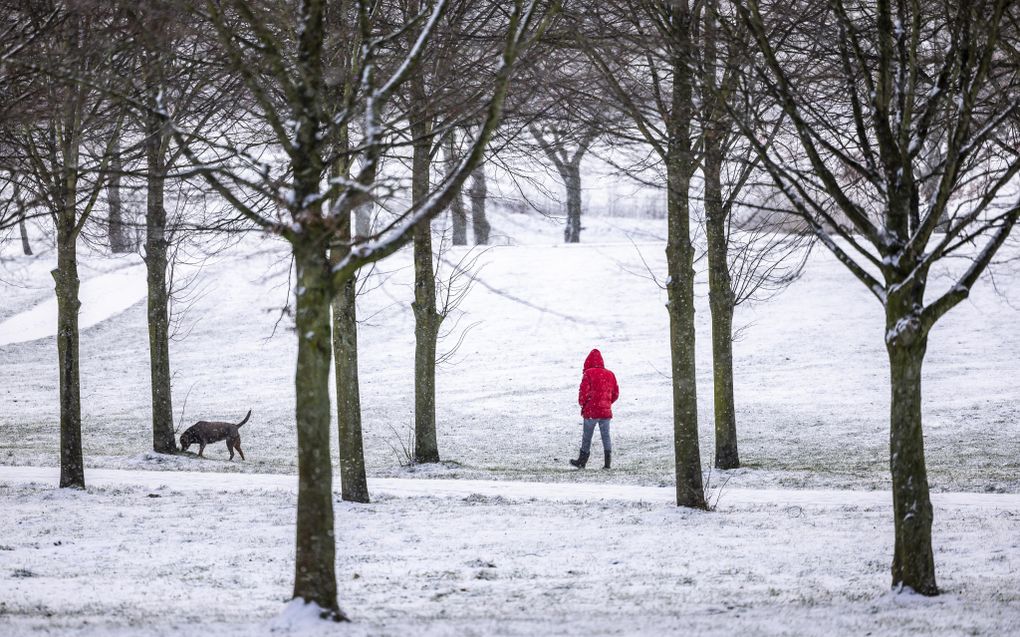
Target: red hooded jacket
598 388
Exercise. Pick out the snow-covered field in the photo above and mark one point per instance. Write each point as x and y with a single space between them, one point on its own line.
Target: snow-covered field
810 368
590 552
132 557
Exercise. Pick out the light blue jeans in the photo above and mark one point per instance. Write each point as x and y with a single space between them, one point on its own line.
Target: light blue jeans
589 431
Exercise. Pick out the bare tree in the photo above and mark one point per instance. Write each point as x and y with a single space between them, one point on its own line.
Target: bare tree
60 147
567 119
279 54
442 95
762 257
721 300
890 104
565 149
423 114
173 75
645 53
342 44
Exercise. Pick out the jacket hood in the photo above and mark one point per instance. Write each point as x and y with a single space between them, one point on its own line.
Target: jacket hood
594 360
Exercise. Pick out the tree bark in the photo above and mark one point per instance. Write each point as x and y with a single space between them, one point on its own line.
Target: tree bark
680 289
72 465
315 548
680 265
158 298
720 287
458 214
363 220
26 247
119 242
315 542
726 453
353 483
913 561
477 194
571 175
721 304
426 318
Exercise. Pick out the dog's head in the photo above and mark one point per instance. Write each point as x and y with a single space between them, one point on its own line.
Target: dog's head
187 439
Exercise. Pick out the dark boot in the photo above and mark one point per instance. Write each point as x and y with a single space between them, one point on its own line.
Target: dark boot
609 455
582 459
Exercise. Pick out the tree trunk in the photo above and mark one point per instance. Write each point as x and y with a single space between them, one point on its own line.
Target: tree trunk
720 287
680 264
680 289
572 180
72 466
363 220
158 296
426 319
458 213
119 242
315 548
913 562
726 456
477 195
426 445
721 304
26 247
353 483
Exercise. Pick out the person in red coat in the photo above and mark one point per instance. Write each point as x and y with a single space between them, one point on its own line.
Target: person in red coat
596 396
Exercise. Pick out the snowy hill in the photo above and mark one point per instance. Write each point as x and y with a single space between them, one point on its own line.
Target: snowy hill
811 376
557 551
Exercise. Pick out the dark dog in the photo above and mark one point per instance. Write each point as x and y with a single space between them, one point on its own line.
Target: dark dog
204 432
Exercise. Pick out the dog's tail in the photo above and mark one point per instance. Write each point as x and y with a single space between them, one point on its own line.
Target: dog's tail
245 419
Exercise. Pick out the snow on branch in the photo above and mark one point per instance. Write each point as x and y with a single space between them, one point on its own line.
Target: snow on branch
399 232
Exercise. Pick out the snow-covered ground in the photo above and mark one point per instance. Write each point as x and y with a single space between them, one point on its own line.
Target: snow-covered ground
102 297
182 554
505 538
811 372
